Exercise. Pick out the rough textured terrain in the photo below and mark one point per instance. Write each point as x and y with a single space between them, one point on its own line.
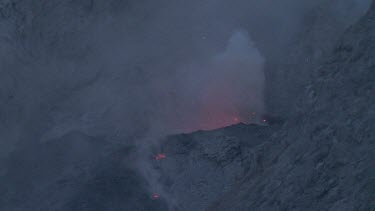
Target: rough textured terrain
322 158
203 166
70 127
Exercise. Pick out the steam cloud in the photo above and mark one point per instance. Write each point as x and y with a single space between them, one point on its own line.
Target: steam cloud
226 89
133 71
104 67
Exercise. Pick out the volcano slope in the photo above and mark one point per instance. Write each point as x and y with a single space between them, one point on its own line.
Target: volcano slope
202 166
326 161
322 158
74 172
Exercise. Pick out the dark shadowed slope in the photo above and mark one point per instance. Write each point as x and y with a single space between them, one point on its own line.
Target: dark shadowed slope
79 77
74 172
201 167
328 158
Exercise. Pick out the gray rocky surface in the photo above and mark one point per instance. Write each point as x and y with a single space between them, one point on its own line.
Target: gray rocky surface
70 127
327 162
322 158
75 172
203 166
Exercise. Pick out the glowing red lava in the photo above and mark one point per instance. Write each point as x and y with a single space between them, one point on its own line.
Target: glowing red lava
160 156
213 118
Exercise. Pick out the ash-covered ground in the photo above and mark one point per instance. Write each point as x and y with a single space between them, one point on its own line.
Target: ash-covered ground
187 105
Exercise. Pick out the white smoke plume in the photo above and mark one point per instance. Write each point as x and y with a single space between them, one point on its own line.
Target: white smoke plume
226 89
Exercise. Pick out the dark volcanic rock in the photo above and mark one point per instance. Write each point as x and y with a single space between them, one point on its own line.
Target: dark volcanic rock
202 166
328 163
74 172
67 99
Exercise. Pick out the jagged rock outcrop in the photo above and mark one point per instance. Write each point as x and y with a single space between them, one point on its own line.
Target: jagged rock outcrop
202 166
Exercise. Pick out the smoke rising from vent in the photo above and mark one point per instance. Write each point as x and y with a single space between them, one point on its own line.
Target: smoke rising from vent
133 71
226 89
126 67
